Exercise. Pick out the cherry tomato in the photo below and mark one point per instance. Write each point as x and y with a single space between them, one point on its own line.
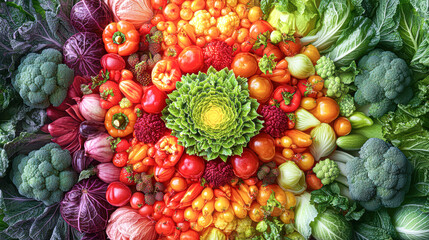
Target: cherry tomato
273 49
316 82
305 161
245 165
120 159
165 226
241 11
178 2
313 182
157 18
186 14
158 208
258 27
158 4
255 13
290 48
221 204
207 194
118 194
137 200
179 216
256 213
308 103
243 33
327 109
198 5
168 212
285 141
146 210
183 226
201 42
190 235
264 146
178 184
112 61
287 216
245 23
191 59
244 65
213 32
342 126
287 153
311 52
190 214
172 12
260 88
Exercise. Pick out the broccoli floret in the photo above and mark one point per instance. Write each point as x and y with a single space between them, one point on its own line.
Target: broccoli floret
334 86
379 177
384 82
327 171
347 105
42 79
44 174
325 67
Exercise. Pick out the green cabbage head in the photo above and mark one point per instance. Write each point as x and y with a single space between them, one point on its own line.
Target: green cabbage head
212 114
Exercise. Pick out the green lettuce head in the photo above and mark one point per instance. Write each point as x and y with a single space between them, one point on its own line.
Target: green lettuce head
212 114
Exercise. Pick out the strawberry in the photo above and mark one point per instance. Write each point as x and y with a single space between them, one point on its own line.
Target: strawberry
120 145
127 176
110 94
120 159
145 29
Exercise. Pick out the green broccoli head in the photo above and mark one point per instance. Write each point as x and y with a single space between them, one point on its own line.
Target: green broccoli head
380 176
334 86
325 67
327 171
44 174
347 105
42 79
383 81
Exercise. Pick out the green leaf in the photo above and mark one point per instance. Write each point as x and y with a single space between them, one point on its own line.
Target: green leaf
387 21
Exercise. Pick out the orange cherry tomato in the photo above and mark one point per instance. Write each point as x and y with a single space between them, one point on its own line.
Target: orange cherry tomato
260 88
178 184
190 214
255 13
299 138
316 82
308 103
171 12
186 14
287 153
305 161
311 52
241 11
327 109
222 204
245 23
157 18
170 40
242 35
207 194
256 213
285 141
342 126
244 65
201 42
198 5
213 32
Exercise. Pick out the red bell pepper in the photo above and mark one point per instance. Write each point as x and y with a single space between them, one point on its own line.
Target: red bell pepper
153 100
306 89
287 98
168 152
110 94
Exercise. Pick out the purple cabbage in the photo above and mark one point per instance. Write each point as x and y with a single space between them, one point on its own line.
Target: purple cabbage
85 206
90 16
82 52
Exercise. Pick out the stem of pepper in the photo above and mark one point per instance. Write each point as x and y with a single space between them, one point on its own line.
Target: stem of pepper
120 121
118 38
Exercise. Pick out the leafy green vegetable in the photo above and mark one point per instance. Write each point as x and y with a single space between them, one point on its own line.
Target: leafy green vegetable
273 229
360 37
330 225
30 219
387 21
374 226
329 196
422 7
305 213
212 114
411 218
335 17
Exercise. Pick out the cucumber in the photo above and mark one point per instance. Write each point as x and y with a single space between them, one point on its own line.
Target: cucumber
352 141
360 120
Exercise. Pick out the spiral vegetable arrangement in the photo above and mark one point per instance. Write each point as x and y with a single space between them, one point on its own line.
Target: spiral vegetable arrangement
217 119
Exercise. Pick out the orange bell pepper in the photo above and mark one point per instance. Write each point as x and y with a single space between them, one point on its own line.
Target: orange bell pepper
121 38
119 122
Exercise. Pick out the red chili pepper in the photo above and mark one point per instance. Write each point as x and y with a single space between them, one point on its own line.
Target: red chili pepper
193 191
168 151
174 202
287 97
306 89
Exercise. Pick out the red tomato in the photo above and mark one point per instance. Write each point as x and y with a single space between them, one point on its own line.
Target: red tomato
165 226
112 61
246 165
137 200
168 212
146 210
191 59
158 208
158 4
190 235
258 27
153 100
179 216
191 166
183 226
118 194
165 74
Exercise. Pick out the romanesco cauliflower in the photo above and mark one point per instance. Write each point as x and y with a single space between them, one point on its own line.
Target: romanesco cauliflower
42 79
327 171
44 174
244 229
325 67
335 87
228 23
347 105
